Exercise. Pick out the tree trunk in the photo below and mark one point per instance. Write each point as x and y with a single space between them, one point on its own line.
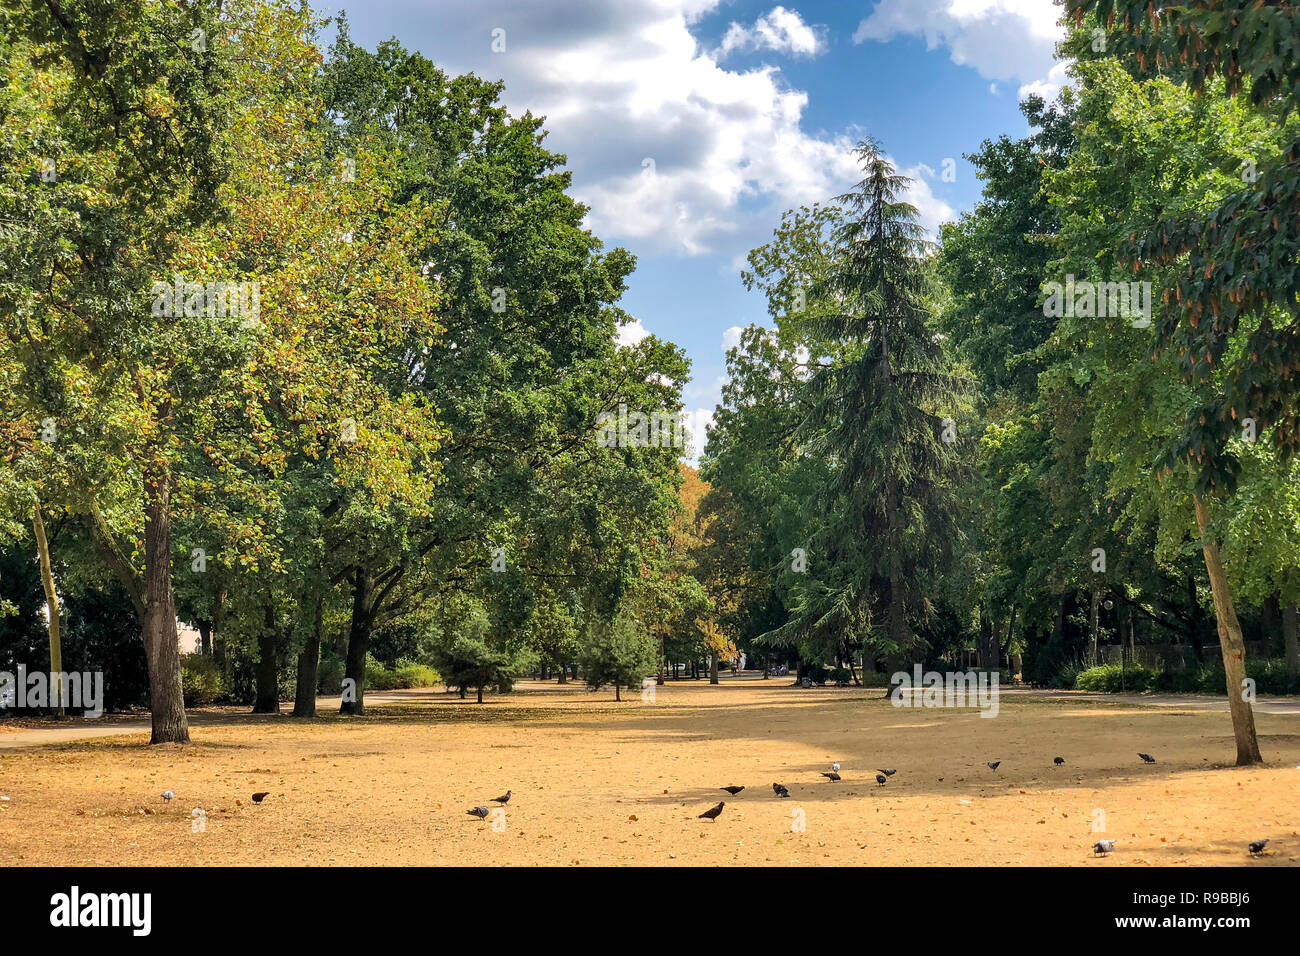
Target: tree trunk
52 599
480 693
162 652
1094 624
1197 620
713 667
267 700
1291 638
897 619
358 645
1231 643
564 674
205 637
304 698
663 663
617 691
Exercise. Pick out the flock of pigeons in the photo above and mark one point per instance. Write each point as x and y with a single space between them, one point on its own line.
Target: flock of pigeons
1101 847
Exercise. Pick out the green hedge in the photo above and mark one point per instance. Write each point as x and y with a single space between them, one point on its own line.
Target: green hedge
407 674
201 680
1270 677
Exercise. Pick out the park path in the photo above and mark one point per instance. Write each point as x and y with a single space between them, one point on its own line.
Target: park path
79 729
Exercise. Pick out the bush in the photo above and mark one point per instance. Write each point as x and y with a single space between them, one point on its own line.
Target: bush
816 673
840 676
201 680
1269 675
1111 678
406 674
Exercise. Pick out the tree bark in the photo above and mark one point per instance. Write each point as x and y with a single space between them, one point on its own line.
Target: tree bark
304 696
51 599
358 645
480 693
713 667
1291 638
162 651
267 700
1231 643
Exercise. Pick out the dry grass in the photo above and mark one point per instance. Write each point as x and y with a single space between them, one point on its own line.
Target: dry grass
597 782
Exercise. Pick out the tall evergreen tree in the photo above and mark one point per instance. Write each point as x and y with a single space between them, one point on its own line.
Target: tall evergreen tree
875 414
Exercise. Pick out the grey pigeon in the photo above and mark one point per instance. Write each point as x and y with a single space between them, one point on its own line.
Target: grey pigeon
831 776
480 812
993 764
1147 758
1257 847
713 812
168 795
732 790
888 771
1103 847
836 766
881 779
1058 760
504 798
780 790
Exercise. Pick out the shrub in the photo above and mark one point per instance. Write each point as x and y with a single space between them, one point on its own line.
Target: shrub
201 680
1111 678
839 676
406 674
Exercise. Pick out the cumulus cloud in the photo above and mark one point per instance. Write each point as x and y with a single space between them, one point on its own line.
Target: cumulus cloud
623 83
731 337
782 31
630 334
1002 39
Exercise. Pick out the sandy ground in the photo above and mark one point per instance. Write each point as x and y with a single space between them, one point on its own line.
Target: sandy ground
599 782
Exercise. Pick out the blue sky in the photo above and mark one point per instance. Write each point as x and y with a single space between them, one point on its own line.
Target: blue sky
690 125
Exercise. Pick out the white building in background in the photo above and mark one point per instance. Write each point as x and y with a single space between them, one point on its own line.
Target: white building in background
188 638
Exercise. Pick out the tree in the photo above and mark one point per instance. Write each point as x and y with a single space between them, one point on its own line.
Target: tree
1233 260
617 652
874 412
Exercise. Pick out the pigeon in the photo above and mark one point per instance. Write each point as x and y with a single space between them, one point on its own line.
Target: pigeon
831 776
993 764
732 790
168 794
780 790
1147 758
836 766
259 797
881 779
888 771
713 812
480 812
504 798
1103 847
1257 847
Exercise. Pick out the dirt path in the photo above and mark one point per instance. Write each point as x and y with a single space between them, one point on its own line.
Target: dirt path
595 782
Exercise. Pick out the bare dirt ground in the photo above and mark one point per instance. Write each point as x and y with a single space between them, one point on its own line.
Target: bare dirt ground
599 782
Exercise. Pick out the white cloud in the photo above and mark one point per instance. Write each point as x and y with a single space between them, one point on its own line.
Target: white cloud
731 337
631 334
623 82
1002 39
1049 87
782 31
697 423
